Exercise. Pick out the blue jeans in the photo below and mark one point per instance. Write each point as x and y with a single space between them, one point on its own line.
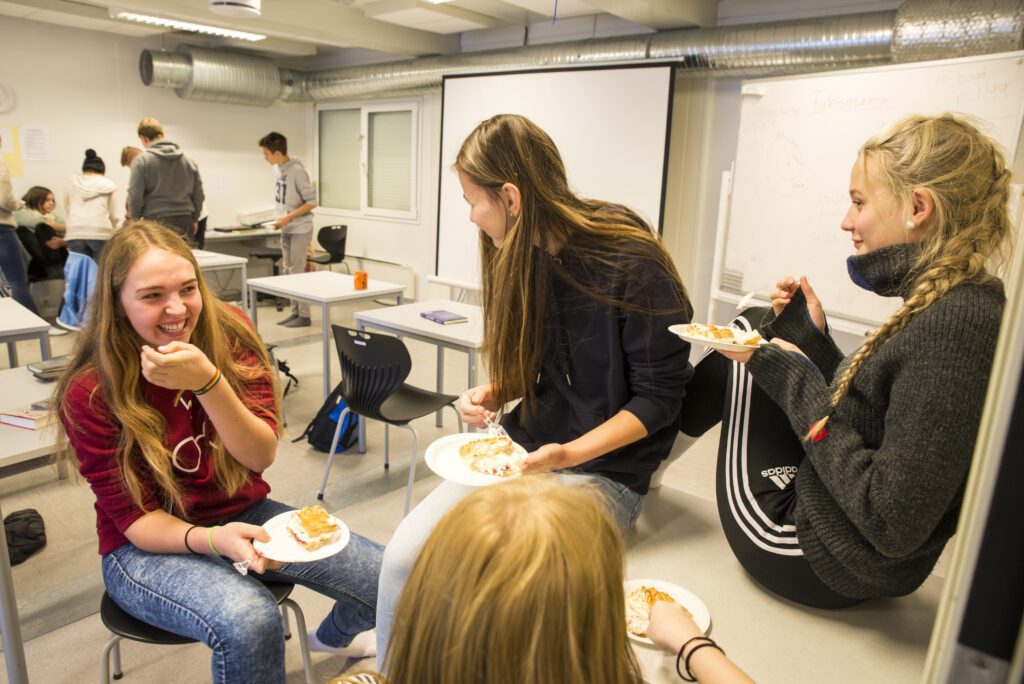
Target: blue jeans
404 547
13 266
205 598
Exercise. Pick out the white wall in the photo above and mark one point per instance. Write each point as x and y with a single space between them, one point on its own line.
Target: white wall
84 87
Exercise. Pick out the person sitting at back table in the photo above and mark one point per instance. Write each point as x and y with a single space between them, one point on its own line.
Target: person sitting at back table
854 469
41 232
578 296
522 583
171 409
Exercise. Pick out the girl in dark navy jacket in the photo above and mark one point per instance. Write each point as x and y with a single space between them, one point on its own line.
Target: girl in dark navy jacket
578 295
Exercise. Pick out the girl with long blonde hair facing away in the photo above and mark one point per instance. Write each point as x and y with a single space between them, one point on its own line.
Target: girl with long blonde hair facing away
522 583
171 410
578 296
855 467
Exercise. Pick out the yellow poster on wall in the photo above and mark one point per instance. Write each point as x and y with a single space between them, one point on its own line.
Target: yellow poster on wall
10 148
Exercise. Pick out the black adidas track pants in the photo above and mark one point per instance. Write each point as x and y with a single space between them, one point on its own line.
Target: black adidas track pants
758 458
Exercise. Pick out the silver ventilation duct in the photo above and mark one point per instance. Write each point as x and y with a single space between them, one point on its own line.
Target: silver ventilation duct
919 30
215 75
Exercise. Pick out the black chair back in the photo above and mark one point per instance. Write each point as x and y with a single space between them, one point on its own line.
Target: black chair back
373 366
332 238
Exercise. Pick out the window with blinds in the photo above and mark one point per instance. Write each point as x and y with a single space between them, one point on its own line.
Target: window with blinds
367 159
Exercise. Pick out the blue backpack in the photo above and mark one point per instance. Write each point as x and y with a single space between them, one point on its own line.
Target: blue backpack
320 430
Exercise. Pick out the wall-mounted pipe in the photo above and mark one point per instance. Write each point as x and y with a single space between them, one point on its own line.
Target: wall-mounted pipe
919 30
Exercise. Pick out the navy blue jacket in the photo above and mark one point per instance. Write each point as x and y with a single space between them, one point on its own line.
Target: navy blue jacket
600 359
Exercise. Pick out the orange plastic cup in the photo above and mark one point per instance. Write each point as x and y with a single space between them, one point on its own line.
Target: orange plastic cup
360 280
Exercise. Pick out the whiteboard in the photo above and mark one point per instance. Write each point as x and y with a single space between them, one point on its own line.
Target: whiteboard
611 126
798 140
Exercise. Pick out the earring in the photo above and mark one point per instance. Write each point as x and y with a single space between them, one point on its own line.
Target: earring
910 225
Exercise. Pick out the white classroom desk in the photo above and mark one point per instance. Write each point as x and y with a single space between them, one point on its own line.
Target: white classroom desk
20 449
211 262
323 289
405 321
18 323
261 233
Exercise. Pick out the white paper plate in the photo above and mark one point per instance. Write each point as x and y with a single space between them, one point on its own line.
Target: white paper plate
442 456
686 598
680 330
283 547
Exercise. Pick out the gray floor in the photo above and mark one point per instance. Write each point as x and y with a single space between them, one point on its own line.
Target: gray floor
59 588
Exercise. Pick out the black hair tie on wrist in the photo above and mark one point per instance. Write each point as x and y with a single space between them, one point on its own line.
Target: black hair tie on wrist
696 648
190 549
679 657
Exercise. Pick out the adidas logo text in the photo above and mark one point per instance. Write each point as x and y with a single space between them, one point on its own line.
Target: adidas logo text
781 475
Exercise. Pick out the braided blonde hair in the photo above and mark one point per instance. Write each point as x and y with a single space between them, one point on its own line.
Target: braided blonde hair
965 174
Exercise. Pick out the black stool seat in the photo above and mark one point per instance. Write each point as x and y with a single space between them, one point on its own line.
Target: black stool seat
266 252
121 623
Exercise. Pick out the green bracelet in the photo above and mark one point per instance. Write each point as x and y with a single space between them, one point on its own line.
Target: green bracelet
209 540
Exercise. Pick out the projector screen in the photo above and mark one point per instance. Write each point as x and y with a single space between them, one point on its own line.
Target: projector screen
611 125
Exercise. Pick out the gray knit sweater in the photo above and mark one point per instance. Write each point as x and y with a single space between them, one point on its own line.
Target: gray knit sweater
879 495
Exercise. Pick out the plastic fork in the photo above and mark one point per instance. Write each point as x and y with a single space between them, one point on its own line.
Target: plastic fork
495 429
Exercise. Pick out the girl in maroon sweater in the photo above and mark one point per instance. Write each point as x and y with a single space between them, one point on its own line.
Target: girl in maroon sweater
171 411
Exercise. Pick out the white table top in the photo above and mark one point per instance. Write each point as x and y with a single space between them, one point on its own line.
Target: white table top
17 320
324 287
216 260
406 318
19 444
216 235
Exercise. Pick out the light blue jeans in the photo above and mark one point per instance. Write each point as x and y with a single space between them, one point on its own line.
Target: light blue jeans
205 598
404 548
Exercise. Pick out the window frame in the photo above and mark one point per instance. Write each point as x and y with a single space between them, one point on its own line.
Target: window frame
366 109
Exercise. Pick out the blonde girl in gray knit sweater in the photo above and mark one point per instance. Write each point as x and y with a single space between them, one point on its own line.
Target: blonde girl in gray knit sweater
859 496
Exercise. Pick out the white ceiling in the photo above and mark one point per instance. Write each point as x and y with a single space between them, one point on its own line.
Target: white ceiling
396 28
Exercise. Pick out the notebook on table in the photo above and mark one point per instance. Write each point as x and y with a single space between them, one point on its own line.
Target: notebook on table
443 317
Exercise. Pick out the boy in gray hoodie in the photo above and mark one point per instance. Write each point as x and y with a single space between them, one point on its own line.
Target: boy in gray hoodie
165 185
295 199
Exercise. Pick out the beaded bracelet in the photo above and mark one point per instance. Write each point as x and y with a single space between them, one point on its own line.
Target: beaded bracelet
209 540
679 657
693 650
190 549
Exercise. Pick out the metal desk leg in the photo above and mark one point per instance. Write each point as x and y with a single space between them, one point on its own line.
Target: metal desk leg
253 297
14 648
324 310
242 288
438 420
44 345
361 428
12 354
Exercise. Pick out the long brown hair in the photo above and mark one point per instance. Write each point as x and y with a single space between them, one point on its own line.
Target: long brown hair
520 583
109 347
965 173
608 239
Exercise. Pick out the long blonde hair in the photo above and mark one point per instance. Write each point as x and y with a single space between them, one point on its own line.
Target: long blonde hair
109 347
609 239
965 173
520 583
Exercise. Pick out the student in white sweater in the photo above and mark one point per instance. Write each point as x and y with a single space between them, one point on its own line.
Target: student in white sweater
89 200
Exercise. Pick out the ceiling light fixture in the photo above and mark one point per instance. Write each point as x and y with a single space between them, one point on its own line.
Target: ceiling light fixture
236 8
184 25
